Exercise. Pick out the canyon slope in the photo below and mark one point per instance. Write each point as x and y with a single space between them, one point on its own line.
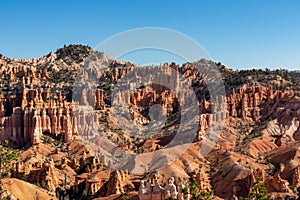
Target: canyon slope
79 124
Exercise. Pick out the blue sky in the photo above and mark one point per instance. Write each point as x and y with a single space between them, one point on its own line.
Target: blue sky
240 34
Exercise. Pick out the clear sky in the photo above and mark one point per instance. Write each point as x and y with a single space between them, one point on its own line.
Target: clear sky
240 33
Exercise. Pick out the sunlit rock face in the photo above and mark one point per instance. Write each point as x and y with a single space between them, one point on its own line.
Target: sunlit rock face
258 129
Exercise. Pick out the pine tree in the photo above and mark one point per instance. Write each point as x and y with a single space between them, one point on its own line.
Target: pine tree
259 191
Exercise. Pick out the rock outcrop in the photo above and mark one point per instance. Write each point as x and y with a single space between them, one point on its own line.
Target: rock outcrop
257 128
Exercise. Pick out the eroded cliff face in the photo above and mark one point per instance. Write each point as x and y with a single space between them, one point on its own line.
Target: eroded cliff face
36 115
258 126
249 103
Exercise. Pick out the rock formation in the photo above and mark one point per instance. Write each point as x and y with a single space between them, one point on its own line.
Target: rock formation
257 126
